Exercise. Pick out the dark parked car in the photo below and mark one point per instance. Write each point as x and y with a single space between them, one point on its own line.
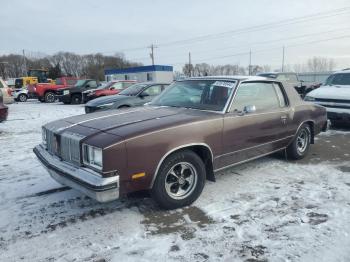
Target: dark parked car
135 95
195 128
74 95
293 80
3 108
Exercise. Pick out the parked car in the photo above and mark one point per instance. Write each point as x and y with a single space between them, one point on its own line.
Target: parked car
135 95
46 92
6 92
293 80
195 128
74 95
3 108
335 96
21 94
107 89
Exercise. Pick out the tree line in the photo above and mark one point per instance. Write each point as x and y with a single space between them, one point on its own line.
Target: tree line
63 64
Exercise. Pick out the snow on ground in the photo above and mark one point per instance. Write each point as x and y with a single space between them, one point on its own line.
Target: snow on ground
265 210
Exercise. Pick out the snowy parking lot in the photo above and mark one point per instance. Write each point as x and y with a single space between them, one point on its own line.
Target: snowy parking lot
266 210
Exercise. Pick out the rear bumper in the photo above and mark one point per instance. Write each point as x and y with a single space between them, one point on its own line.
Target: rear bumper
83 179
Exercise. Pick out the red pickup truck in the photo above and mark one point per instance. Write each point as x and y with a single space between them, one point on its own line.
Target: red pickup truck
46 92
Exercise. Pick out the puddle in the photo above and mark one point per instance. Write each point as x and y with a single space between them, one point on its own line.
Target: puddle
184 221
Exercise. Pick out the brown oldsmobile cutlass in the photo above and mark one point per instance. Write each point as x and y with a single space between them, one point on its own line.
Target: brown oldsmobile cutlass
197 127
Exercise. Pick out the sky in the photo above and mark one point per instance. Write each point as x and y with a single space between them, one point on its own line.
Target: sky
130 27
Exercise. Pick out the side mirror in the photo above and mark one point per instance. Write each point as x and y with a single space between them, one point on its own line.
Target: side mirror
87 86
249 109
112 88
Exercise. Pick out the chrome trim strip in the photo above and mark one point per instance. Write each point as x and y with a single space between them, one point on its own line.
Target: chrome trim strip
97 118
173 150
233 152
250 159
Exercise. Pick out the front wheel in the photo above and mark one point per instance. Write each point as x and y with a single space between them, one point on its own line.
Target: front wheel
76 99
300 146
22 98
49 97
180 180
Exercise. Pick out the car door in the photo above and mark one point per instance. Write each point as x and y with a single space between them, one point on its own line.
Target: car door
256 123
149 93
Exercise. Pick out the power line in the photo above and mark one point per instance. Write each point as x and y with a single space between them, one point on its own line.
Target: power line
269 49
266 26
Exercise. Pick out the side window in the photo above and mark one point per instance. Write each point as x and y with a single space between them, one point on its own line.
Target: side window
293 78
153 90
261 95
341 79
1 85
118 86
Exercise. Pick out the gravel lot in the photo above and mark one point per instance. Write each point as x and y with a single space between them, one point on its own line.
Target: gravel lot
266 210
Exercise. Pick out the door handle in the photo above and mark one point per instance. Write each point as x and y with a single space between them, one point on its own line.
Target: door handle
284 119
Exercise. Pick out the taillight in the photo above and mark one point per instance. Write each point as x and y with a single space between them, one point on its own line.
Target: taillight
9 91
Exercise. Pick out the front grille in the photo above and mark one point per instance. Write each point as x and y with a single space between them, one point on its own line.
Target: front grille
332 100
70 147
66 146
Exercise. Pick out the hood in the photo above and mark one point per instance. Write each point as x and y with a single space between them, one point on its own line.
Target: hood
128 122
331 92
106 100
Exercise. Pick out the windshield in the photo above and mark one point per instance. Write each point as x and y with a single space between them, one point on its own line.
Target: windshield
80 82
339 79
133 90
105 85
197 94
59 81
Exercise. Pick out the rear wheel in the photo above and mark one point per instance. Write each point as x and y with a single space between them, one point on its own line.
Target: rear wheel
22 98
49 97
300 146
76 99
180 180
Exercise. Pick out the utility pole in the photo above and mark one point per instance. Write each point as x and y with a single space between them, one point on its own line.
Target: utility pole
152 52
250 62
25 63
189 63
283 59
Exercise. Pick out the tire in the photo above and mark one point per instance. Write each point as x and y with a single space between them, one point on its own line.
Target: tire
170 191
22 98
76 99
49 97
300 146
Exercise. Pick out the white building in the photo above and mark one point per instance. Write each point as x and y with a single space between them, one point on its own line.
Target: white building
154 73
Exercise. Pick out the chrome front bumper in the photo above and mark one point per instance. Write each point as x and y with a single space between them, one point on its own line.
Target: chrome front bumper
83 179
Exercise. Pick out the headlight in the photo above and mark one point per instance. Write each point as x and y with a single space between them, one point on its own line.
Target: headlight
92 156
105 105
43 134
309 98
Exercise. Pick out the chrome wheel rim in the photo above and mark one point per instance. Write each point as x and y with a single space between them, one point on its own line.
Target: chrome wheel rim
22 98
50 98
303 141
181 180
